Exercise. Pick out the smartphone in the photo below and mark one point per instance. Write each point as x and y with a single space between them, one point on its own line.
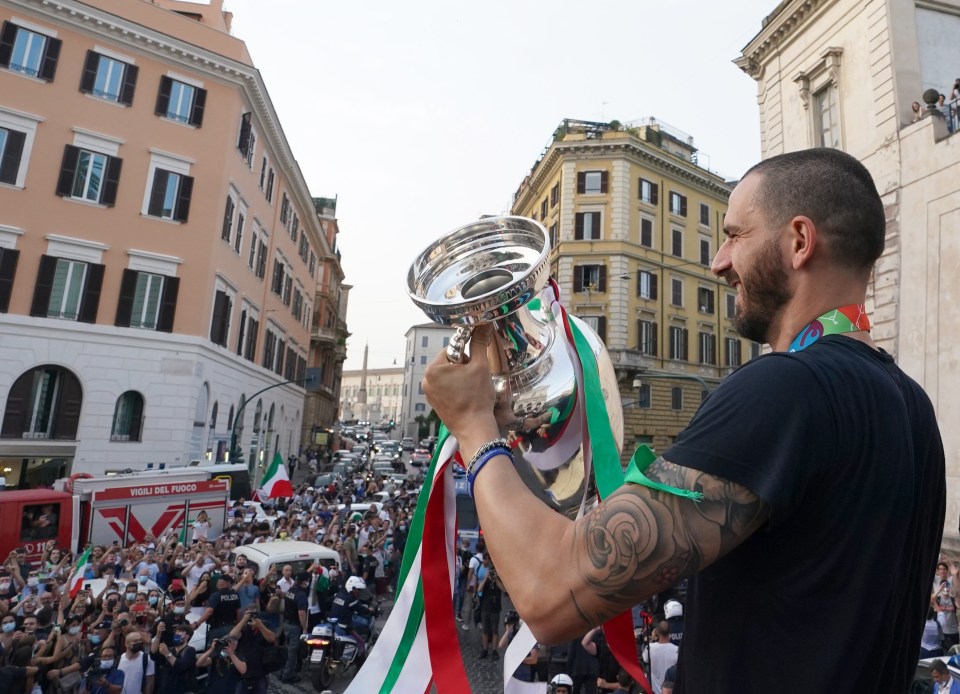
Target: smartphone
86 586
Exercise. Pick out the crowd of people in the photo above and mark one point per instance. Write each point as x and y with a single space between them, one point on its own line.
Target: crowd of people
945 106
132 625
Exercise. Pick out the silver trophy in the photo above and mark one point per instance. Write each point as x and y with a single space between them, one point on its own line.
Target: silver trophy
493 271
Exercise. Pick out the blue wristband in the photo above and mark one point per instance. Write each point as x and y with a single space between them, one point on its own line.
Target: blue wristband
475 468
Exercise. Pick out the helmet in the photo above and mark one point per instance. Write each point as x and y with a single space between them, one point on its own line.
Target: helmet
672 608
561 680
355 583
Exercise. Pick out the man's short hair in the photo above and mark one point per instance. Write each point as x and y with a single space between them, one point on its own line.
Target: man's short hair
939 667
835 191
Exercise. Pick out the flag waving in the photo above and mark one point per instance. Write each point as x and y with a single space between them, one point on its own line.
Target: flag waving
76 578
275 482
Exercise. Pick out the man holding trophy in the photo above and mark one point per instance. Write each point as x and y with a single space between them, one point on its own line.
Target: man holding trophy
820 467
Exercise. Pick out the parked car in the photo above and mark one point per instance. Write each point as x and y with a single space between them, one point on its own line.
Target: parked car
420 457
407 443
325 480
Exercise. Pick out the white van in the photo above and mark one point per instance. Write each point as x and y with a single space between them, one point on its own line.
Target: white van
300 555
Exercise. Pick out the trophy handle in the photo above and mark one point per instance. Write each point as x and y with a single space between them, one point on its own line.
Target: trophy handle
457 347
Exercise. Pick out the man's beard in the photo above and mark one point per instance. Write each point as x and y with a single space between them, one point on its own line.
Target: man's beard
763 292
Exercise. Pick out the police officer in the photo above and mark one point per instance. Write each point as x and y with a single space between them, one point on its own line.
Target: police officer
223 609
347 602
295 604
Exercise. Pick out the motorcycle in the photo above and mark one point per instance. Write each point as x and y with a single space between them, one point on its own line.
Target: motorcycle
333 648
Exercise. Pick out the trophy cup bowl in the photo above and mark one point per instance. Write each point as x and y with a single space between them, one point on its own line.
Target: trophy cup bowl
493 271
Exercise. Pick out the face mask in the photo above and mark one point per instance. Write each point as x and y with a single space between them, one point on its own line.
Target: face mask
8 627
224 654
152 599
179 610
143 580
106 664
33 581
95 639
131 597
136 647
4 587
177 639
73 631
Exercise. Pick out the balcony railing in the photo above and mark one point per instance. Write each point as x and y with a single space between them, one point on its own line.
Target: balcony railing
328 335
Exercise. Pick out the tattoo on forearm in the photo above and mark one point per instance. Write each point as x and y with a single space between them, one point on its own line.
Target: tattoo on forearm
640 540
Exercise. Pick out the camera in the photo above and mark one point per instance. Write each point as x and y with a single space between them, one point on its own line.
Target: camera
512 618
221 643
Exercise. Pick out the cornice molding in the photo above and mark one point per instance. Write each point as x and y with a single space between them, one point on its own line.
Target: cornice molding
110 27
779 29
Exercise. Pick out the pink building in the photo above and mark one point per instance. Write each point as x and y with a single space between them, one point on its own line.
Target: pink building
160 252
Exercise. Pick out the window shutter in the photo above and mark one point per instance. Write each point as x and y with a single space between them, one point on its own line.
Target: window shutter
68 170
602 328
217 320
7 36
653 339
227 219
91 294
683 205
603 181
88 77
639 283
41 291
168 304
8 269
129 85
686 346
182 209
136 418
163 96
602 280
111 182
654 193
281 345
225 319
128 287
241 331
17 407
653 285
581 182
578 279
251 348
199 104
155 208
67 417
578 227
243 142
10 163
48 68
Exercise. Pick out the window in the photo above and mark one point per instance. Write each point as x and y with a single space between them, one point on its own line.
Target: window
238 239
648 192
646 232
676 398
553 235
676 291
87 175
108 78
446 341
262 260
733 357
587 226
269 349
826 117
754 350
287 288
43 403
420 407
678 343
592 182
644 396
676 242
170 195
312 265
68 289
646 284
543 209
284 209
247 334
228 211
127 417
590 278
647 337
423 360
294 227
598 324
705 252
424 341
678 204
180 101
263 173
555 195
304 249
252 258
11 151
220 323
420 388
297 308
28 52
276 283
731 305
708 348
147 301
704 300
704 214
269 191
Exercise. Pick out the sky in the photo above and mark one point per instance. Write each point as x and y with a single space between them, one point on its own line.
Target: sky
421 116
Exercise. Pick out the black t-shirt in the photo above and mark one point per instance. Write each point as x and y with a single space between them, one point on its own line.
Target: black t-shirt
225 604
845 449
294 601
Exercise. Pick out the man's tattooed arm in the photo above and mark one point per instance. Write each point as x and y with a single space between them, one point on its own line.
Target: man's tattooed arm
641 541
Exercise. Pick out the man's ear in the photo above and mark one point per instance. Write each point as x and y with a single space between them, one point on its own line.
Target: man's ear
804 237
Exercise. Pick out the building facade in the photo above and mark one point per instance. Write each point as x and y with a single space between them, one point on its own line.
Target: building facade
634 223
160 250
424 342
384 396
844 74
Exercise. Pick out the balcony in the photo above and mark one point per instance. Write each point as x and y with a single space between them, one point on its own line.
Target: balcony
631 360
325 335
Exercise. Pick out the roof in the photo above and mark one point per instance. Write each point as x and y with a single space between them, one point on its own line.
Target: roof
283 547
38 495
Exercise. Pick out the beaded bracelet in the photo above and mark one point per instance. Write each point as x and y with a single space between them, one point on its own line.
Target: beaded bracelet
477 462
489 445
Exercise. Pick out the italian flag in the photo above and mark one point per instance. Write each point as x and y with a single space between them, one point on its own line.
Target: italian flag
275 482
76 578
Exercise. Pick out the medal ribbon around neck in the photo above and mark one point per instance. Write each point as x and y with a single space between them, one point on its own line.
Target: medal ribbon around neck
846 319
